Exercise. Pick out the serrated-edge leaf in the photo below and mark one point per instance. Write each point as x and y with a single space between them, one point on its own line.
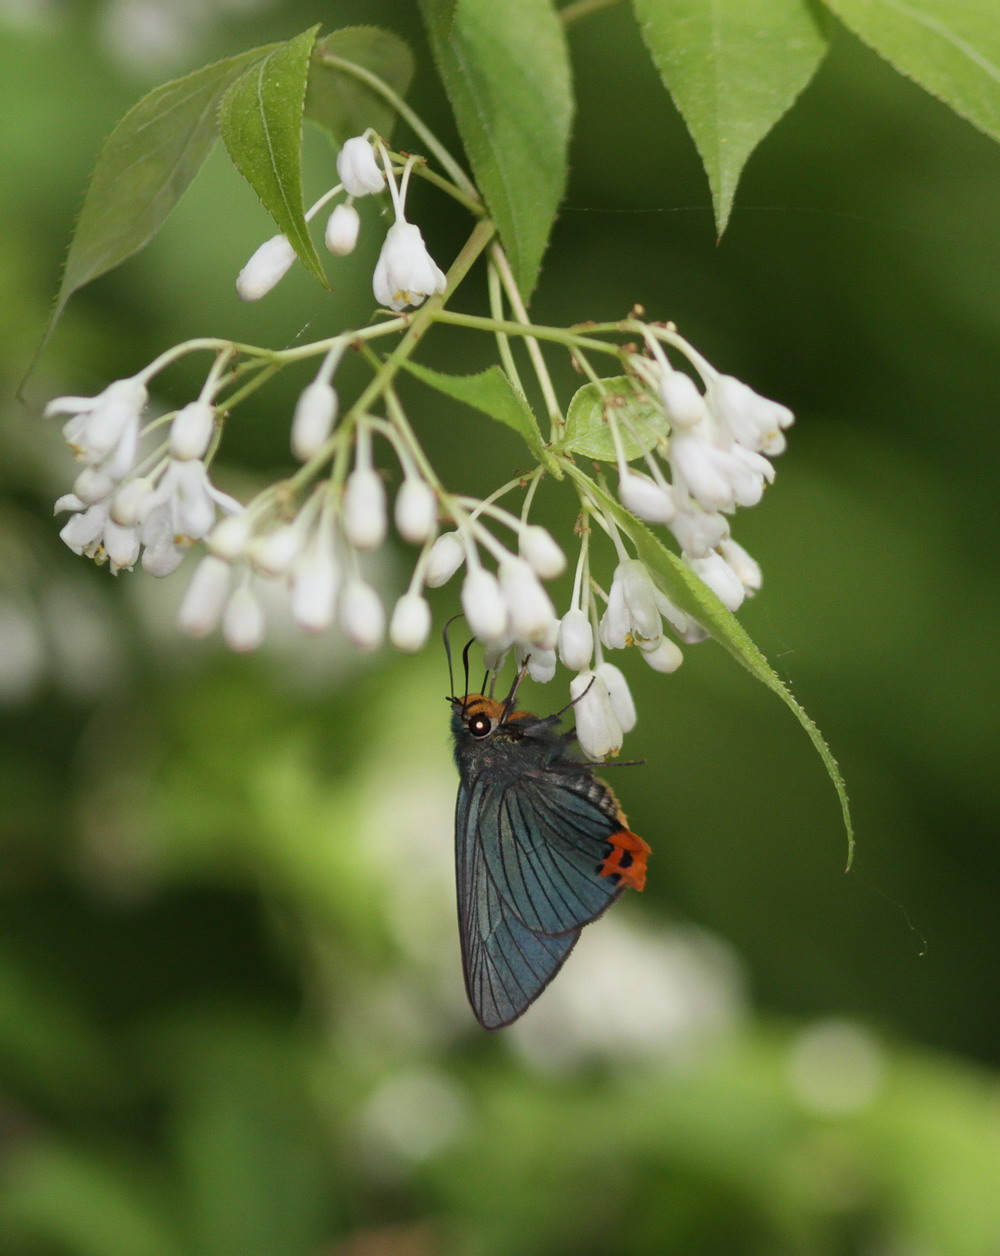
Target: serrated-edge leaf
260 120
733 68
505 68
145 166
684 588
345 105
492 393
587 432
951 48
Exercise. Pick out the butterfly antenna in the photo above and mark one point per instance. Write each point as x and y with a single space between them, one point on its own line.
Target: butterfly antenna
465 663
447 651
511 698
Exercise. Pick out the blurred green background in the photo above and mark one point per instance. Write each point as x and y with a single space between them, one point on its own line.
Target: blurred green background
231 1013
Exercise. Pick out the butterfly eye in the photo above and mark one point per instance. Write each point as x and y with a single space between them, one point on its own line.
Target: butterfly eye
479 725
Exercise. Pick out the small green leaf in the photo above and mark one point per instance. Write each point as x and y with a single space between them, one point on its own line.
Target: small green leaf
144 168
588 433
343 103
733 67
505 68
686 591
261 123
492 393
949 47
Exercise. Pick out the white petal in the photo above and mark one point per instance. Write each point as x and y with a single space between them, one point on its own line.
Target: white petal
538 548
362 616
121 546
191 431
274 552
619 695
541 663
645 498
364 509
416 510
410 625
342 229
265 269
665 656
640 600
720 578
315 583
205 598
445 557
358 168
484 605
684 404
230 536
315 412
532 615
576 640
243 620
597 728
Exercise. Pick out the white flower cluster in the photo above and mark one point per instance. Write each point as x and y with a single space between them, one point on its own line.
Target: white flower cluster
405 273
718 454
122 504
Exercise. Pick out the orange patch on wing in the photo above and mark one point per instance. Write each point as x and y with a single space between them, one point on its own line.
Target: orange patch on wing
623 843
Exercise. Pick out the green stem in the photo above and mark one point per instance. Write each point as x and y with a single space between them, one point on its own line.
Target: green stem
559 335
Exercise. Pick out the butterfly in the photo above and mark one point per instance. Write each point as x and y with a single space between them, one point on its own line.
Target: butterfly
542 848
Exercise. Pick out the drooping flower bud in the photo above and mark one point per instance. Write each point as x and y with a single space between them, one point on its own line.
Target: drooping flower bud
532 616
342 229
362 615
645 498
191 431
576 640
445 557
597 728
206 597
410 625
275 551
315 412
619 695
315 583
539 549
230 536
720 578
684 404
665 656
243 620
405 272
358 168
265 269
416 510
484 605
364 509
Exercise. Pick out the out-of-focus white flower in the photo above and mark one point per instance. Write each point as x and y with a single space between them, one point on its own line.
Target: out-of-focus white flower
243 620
362 615
274 552
720 578
445 557
405 272
416 510
315 583
538 549
265 269
746 568
358 168
698 531
541 662
364 509
312 423
576 640
230 536
410 625
684 404
597 728
484 605
181 509
102 425
206 597
750 419
342 229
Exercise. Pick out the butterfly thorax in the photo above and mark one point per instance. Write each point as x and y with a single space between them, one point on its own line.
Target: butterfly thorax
507 745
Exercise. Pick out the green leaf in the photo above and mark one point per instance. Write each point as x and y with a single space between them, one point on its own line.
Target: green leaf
949 47
505 68
261 123
492 393
588 433
686 591
342 102
733 67
144 168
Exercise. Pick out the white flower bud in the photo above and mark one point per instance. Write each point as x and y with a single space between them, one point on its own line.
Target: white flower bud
275 552
128 501
362 616
495 652
364 509
484 604
243 620
162 560
665 656
538 548
358 169
532 615
230 536
541 664
640 599
410 625
405 272
191 431
752 420
205 598
720 578
698 531
576 640
619 694
645 498
445 557
342 229
121 546
268 266
597 727
684 404
315 582
315 412
93 485
416 510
